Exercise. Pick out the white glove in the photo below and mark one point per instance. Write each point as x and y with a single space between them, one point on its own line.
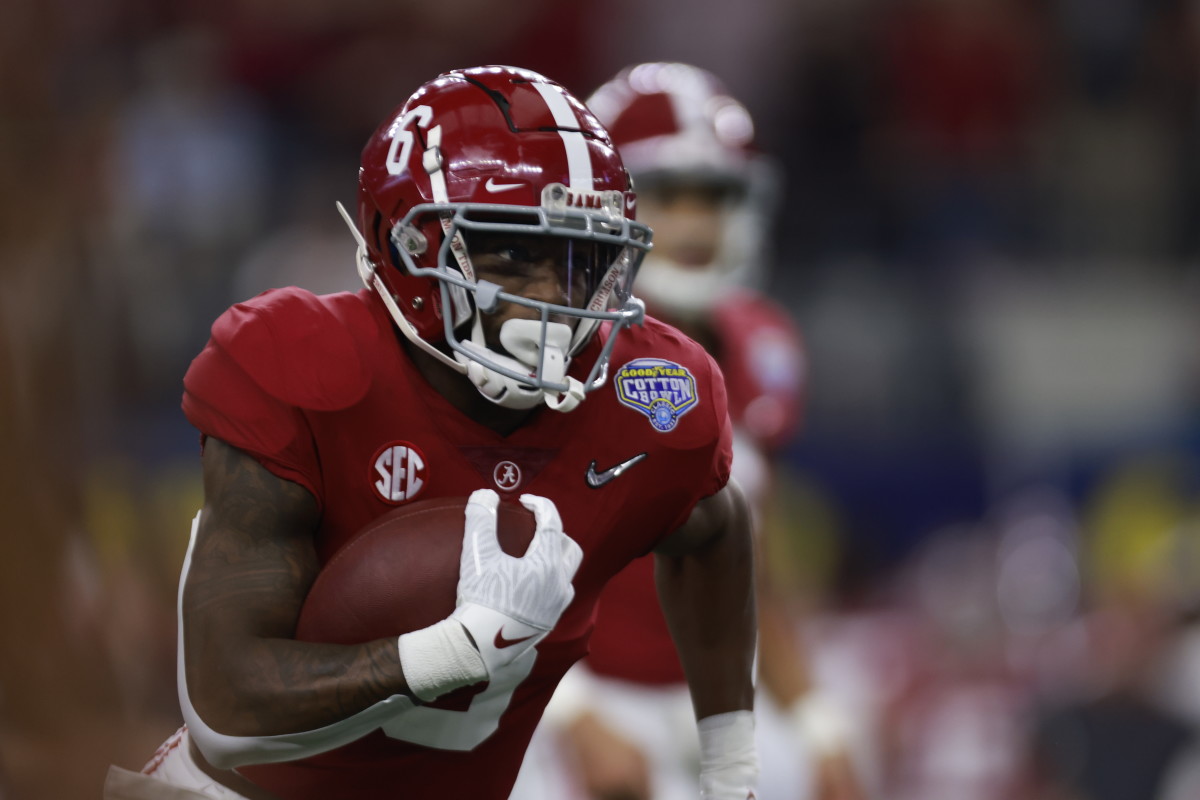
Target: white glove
509 604
505 604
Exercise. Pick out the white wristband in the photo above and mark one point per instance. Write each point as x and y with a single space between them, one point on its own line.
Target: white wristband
728 760
820 723
439 659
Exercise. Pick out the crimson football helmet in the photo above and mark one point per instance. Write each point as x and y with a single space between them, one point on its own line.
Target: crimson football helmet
676 123
498 150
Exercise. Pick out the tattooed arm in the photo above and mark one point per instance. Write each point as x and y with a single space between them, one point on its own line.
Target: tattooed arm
252 565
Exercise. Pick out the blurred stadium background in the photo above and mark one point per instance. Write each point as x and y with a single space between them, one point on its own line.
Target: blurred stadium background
989 237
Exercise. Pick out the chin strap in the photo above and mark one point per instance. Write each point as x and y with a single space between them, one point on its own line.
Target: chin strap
568 400
523 338
366 271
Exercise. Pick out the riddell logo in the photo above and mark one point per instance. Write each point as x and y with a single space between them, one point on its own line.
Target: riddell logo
400 471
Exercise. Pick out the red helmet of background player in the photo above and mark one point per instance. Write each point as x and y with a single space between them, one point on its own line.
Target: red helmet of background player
497 149
676 123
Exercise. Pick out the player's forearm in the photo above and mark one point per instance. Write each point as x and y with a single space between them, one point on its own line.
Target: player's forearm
708 598
250 693
248 569
246 674
269 719
266 687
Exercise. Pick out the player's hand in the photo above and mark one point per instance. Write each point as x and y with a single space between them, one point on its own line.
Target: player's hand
611 767
508 604
836 778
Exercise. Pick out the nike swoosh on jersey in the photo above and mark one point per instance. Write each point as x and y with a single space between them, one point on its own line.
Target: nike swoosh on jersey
492 186
500 642
598 479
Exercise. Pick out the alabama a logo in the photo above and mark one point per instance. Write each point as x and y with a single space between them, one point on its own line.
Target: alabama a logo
507 475
662 390
398 472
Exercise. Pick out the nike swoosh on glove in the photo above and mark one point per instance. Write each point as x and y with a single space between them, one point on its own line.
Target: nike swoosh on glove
508 603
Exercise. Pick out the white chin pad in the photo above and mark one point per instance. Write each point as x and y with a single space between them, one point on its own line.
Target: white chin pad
522 338
500 389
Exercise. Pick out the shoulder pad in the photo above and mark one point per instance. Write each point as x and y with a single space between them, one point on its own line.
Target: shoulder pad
300 348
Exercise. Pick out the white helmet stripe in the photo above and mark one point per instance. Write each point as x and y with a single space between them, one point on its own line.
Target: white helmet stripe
437 178
579 162
432 161
687 95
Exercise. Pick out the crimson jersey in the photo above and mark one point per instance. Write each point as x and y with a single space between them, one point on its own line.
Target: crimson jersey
761 356
319 390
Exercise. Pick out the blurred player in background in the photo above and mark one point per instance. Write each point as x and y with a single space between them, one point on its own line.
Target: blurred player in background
622 715
497 352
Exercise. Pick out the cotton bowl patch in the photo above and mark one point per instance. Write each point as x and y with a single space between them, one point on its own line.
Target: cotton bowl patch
662 390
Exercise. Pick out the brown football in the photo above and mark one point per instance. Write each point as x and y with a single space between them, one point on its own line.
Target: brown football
400 572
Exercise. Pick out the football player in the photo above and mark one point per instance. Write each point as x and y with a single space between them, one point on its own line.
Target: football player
497 352
708 195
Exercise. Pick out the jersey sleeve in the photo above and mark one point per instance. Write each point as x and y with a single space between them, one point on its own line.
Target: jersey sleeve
268 362
763 359
714 459
722 452
221 399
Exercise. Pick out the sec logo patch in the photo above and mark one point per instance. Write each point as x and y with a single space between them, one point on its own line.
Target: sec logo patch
398 472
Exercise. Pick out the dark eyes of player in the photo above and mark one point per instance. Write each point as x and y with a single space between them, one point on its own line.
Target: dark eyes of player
515 256
516 253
